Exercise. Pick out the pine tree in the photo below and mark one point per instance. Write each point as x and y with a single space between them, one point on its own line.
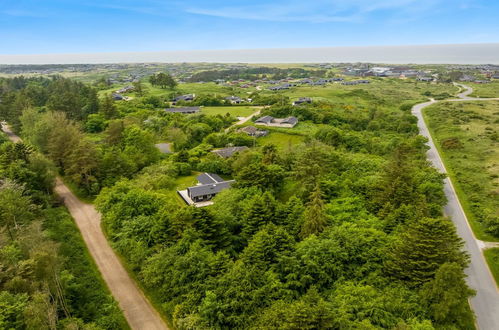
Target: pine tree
446 297
108 108
260 212
422 248
315 217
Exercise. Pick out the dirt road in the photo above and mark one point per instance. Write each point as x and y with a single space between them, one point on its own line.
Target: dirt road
245 119
138 311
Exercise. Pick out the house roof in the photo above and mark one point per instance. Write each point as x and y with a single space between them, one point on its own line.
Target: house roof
208 189
233 98
303 100
249 129
117 96
209 178
163 147
186 97
264 119
182 110
228 152
289 120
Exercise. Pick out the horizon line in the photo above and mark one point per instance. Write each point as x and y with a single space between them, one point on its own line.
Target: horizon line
466 53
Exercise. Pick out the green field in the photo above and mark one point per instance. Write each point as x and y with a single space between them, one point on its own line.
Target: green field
235 111
382 92
281 140
486 90
466 134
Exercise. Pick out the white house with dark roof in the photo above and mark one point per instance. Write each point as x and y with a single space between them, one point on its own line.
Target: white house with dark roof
288 122
186 98
302 100
117 97
229 151
184 110
209 185
253 131
234 99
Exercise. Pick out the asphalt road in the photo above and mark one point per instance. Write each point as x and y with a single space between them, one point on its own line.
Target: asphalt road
138 311
486 302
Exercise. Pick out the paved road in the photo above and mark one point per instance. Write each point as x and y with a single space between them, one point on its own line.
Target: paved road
138 311
486 302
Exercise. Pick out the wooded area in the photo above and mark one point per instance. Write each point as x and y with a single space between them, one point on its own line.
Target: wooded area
343 230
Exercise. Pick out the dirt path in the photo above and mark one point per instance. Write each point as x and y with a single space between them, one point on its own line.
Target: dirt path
245 119
138 311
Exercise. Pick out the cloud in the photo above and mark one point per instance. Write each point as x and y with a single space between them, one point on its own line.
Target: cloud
21 13
315 11
265 15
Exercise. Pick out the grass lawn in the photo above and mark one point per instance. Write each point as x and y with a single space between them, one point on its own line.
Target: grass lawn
466 135
181 183
492 257
485 90
235 111
281 140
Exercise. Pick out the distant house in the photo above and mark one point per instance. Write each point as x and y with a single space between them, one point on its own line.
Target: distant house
234 99
495 76
467 78
426 79
117 97
229 152
278 88
306 81
126 89
355 82
164 148
186 98
209 185
320 82
302 100
253 131
184 110
278 122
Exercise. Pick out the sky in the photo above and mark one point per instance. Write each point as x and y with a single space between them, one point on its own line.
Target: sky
94 26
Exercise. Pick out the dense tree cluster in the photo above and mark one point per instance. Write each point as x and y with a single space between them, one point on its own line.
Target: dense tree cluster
342 231
75 99
163 80
46 279
332 239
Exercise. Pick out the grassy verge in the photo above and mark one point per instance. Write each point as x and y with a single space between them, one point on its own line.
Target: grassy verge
77 191
492 257
468 166
94 300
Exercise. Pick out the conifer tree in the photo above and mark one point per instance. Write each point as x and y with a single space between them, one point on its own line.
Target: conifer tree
422 248
315 218
446 297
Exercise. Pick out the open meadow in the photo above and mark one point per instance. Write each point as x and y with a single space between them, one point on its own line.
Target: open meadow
467 136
